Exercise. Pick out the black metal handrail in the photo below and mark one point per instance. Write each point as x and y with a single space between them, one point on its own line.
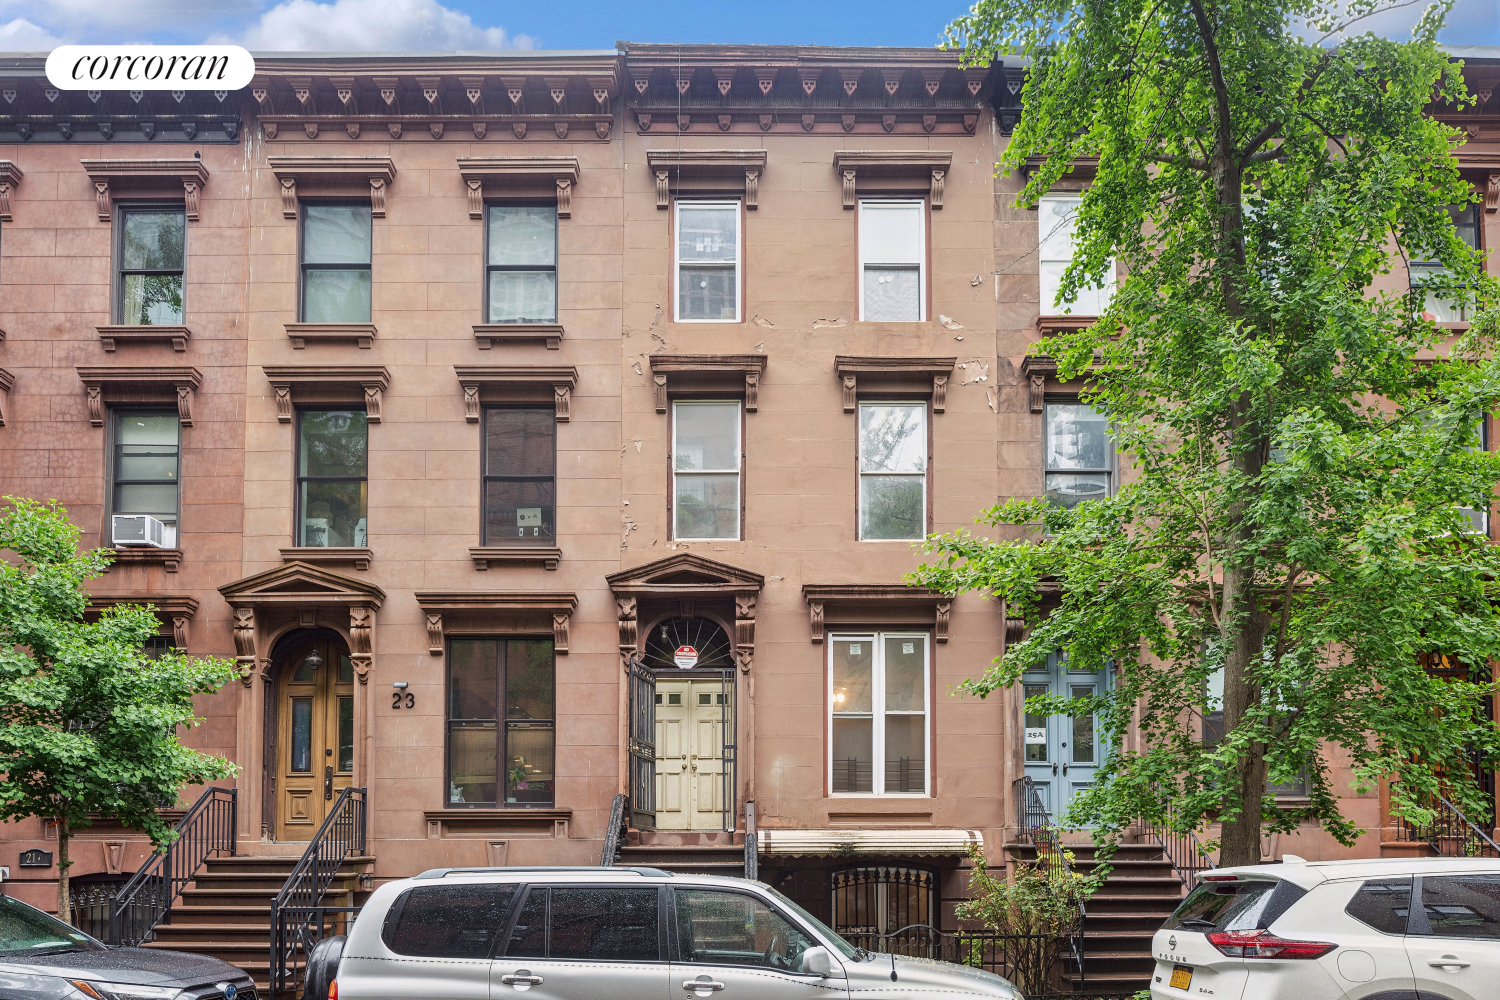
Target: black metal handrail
1032 816
614 831
1450 833
1184 850
297 916
1035 963
207 829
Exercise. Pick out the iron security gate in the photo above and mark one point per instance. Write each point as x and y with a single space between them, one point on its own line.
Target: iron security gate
731 746
642 746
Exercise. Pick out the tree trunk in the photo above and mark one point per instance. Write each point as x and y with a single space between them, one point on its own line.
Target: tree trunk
64 901
1239 835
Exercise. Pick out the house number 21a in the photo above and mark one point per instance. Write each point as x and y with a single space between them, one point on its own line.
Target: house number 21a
403 699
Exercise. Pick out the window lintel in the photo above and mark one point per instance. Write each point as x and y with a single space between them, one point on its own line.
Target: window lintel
332 172
109 175
892 604
477 171
560 605
851 369
561 378
697 367
668 165
931 166
373 379
123 383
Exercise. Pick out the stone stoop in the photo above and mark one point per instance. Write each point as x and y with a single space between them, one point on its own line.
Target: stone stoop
690 859
226 911
1140 893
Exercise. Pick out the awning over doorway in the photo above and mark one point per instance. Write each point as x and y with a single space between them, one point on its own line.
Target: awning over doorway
853 842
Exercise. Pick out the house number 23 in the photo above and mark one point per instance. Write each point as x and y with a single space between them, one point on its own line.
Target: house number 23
403 699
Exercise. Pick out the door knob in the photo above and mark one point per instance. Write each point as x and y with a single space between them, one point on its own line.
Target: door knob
1054 767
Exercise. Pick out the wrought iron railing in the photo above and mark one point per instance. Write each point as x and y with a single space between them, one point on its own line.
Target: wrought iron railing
91 903
299 920
206 830
614 831
1032 818
1037 964
1450 832
1187 854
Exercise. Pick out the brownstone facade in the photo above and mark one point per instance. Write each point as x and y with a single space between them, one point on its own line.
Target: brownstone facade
755 252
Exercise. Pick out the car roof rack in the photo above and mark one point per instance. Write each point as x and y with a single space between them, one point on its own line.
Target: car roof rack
435 873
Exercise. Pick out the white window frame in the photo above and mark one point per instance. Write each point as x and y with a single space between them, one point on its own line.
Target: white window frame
877 712
860 473
1109 471
1048 302
739 255
921 206
738 471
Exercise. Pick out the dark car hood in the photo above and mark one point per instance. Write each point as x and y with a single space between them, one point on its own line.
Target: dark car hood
138 966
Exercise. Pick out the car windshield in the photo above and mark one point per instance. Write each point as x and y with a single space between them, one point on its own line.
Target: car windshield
25 930
1223 906
832 936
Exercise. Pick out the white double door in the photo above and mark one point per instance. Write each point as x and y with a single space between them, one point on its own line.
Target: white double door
690 720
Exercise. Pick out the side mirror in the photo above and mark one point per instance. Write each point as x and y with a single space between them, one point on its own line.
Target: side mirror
817 962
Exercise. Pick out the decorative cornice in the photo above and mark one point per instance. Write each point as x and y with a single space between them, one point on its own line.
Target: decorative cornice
665 577
357 556
300 584
10 177
177 336
820 596
562 379
373 379
851 368
485 556
669 165
931 166
477 171
290 171
469 604
748 366
1035 371
490 335
97 380
172 610
106 175
362 335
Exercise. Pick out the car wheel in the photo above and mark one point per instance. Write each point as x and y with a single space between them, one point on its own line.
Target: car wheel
322 966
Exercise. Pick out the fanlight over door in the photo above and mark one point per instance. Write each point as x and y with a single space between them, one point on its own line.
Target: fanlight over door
703 635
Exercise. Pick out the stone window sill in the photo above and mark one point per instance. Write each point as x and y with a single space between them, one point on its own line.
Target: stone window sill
359 558
168 559
485 556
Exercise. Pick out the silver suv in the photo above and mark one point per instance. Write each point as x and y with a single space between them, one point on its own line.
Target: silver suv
622 933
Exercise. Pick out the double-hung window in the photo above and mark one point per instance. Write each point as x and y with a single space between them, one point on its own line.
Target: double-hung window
521 264
332 481
150 256
1057 220
1080 458
892 471
146 465
1436 306
520 476
892 260
501 725
336 241
877 699
707 261
706 457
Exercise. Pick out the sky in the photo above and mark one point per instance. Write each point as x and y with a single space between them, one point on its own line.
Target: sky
410 25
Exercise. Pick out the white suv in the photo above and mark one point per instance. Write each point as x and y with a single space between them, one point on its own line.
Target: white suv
620 933
1425 928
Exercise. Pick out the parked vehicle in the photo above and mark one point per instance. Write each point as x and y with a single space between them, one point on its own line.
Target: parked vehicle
42 958
1340 930
623 933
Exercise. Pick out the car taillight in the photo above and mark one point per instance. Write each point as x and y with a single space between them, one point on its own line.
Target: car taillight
333 990
1262 944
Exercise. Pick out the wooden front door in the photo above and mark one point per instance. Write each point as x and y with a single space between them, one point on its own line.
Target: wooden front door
315 734
689 754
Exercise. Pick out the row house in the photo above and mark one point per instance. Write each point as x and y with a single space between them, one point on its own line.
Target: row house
544 436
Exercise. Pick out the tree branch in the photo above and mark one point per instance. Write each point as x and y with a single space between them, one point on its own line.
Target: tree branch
1216 71
1261 138
1186 161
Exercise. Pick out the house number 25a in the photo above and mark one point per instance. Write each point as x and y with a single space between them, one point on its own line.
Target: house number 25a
403 699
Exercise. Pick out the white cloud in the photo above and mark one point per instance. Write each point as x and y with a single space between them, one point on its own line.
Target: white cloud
20 35
370 26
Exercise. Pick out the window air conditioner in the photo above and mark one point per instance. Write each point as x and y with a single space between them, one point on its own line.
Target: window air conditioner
138 530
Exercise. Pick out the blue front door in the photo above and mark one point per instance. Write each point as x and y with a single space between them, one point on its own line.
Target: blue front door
1062 752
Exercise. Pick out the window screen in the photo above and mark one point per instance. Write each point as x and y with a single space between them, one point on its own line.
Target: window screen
448 921
892 251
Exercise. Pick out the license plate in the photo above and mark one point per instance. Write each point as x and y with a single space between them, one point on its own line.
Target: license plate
1182 976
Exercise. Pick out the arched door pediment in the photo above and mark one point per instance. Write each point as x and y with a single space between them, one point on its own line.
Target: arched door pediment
687 576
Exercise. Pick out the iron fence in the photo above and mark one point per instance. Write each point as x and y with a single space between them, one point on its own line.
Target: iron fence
1187 855
1037 964
1450 833
206 830
299 920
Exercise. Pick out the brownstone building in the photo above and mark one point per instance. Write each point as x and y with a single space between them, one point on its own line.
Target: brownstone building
535 430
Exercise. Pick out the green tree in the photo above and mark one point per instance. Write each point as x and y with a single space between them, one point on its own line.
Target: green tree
88 722
1300 442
